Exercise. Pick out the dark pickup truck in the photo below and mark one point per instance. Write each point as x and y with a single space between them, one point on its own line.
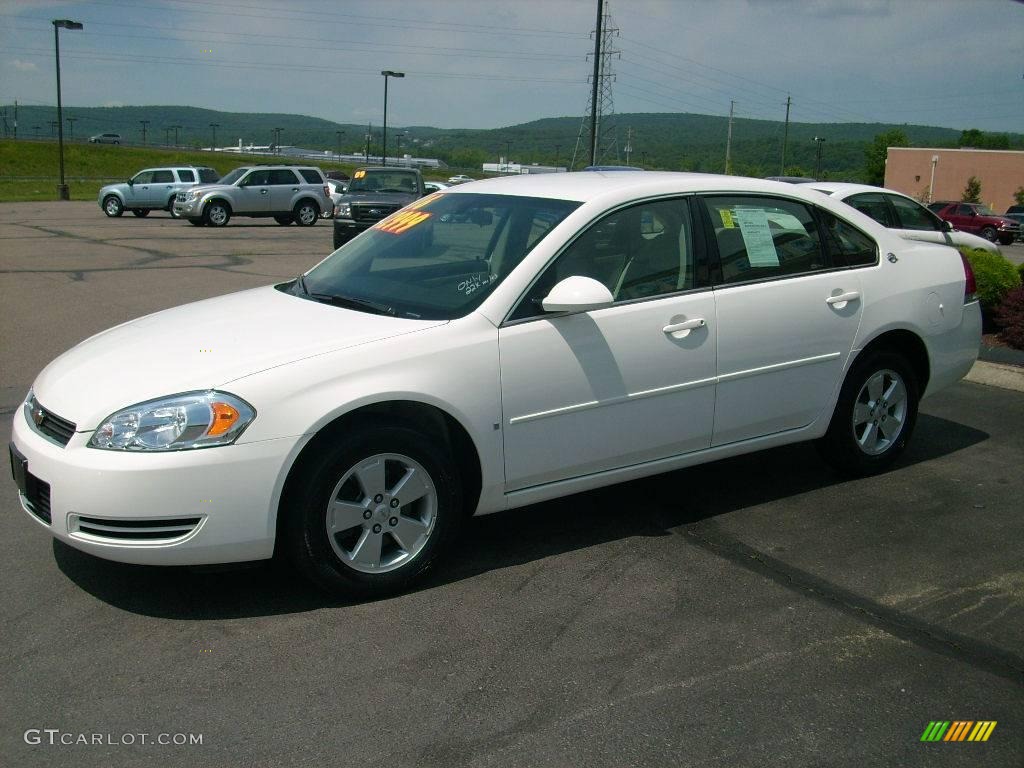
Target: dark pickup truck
374 194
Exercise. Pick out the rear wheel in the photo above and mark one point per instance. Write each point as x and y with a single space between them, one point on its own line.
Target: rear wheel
306 213
112 206
141 212
373 512
284 221
989 233
170 209
874 416
217 214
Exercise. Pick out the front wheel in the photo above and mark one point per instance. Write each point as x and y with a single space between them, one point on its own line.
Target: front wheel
989 233
112 206
306 213
374 511
140 212
874 416
217 214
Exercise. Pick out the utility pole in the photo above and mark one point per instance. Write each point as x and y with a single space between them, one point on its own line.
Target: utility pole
337 135
785 136
71 126
53 127
817 157
597 75
176 129
366 154
15 118
728 142
277 140
167 136
557 148
145 124
629 144
214 126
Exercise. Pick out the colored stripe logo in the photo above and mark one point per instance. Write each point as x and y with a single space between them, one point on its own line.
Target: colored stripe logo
958 730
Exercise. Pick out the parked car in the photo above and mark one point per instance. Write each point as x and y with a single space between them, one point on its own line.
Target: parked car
434 186
904 215
557 333
152 189
460 179
979 219
1016 212
791 179
285 192
105 138
373 194
337 190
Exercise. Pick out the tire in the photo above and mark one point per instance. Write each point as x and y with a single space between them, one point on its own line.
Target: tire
1006 239
854 445
140 212
170 209
381 544
989 233
284 221
112 206
217 214
306 213
197 222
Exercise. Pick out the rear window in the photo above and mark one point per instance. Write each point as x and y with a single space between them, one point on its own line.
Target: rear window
208 175
312 175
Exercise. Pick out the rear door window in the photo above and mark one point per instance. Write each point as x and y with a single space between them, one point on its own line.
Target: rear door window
186 175
311 175
283 176
847 245
163 177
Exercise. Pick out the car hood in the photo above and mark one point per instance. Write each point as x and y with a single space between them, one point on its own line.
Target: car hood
201 346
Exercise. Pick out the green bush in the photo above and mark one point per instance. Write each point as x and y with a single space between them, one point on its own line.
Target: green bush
1020 269
995 276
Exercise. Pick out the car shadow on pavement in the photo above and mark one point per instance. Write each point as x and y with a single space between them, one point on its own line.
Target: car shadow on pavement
648 507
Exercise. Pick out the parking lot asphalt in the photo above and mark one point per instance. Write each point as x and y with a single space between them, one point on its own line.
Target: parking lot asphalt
755 611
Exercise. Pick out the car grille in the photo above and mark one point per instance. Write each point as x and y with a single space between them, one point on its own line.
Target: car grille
50 424
368 212
37 497
134 530
179 197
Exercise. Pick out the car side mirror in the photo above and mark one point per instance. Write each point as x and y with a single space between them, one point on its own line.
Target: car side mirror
131 182
577 294
947 226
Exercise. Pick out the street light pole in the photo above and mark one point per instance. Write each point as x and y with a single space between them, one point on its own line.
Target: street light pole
59 24
338 135
145 124
214 126
387 73
817 157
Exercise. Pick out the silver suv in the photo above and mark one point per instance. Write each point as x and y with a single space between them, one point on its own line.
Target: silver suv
286 192
152 189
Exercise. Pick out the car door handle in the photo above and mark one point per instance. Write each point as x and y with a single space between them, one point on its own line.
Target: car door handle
263 191
687 325
843 298
295 189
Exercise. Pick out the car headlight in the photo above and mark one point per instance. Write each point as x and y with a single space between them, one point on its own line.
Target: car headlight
195 193
176 423
343 209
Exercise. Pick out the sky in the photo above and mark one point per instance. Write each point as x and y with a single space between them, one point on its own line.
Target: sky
488 64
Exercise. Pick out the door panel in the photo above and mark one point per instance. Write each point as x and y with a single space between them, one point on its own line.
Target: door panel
781 351
598 390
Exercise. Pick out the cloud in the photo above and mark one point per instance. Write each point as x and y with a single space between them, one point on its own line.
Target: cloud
24 66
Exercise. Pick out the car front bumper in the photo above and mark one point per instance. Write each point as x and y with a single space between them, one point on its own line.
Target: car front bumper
206 506
346 229
188 209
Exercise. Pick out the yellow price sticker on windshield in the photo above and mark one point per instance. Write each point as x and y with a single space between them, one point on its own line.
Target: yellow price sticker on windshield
358 174
400 222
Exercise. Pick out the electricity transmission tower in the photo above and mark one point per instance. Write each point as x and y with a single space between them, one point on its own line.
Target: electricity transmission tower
601 137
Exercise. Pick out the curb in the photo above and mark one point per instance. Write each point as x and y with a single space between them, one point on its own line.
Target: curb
997 375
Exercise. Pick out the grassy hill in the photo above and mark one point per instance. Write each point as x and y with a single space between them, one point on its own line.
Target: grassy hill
670 141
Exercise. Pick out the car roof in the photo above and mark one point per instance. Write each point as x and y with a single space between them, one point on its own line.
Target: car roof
843 189
583 186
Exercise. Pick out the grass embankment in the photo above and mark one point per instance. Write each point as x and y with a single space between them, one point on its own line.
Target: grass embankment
87 167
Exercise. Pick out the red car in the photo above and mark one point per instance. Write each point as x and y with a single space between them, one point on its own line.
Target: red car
978 219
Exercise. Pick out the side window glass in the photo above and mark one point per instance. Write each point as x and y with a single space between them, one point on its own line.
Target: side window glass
256 179
963 210
311 176
848 245
914 215
639 252
208 175
163 177
146 177
185 175
761 237
283 176
875 206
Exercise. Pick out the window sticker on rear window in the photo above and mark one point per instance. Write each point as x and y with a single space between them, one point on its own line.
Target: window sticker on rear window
757 237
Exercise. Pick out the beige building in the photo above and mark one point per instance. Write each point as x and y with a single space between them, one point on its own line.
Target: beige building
941 174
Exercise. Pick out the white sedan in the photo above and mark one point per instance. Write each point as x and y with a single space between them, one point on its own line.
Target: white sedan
460 179
486 348
904 215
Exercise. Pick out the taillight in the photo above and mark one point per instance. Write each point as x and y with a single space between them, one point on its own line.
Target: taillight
970 285
327 191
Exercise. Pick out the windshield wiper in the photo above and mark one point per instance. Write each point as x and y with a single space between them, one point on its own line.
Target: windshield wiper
352 302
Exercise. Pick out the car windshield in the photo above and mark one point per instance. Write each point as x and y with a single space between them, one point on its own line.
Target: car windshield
438 258
984 210
234 176
387 181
